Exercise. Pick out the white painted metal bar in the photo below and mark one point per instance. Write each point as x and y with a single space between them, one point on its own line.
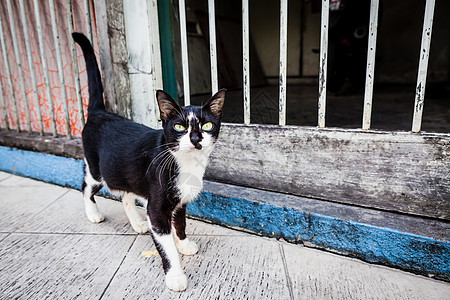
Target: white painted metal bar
423 65
19 64
87 15
60 68
370 70
31 66
4 111
184 53
323 62
48 91
76 73
246 61
8 75
283 61
213 46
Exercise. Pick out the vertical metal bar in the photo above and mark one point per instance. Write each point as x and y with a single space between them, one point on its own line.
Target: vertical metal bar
3 103
283 60
246 61
423 65
60 68
184 53
44 65
370 70
19 64
8 75
75 64
31 66
323 62
87 13
212 46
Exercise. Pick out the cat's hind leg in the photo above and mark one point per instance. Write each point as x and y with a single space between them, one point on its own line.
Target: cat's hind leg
89 188
184 245
139 225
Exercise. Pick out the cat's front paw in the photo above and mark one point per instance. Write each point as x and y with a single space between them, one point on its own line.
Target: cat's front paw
140 227
187 247
176 282
95 217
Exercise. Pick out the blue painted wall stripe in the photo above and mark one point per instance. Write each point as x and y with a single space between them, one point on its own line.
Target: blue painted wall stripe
46 167
373 244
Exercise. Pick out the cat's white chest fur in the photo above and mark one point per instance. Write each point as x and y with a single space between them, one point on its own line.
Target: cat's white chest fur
191 168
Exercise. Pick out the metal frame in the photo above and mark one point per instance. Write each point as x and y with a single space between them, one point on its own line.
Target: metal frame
423 65
184 53
8 76
48 91
370 69
60 68
246 61
283 61
31 66
212 46
323 63
19 64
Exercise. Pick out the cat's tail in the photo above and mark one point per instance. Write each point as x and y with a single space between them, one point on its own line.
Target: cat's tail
94 78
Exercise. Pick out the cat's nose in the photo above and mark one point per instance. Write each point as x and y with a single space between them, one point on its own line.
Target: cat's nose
195 140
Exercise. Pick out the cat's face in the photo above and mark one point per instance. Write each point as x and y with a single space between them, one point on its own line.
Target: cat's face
193 128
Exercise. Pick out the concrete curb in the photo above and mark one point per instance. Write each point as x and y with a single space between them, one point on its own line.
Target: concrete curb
375 244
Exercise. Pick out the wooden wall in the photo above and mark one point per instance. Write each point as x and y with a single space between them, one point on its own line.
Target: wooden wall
393 171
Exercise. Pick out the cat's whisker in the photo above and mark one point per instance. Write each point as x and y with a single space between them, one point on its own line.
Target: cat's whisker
167 161
161 154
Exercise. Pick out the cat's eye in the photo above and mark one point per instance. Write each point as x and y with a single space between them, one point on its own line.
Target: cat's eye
179 127
207 126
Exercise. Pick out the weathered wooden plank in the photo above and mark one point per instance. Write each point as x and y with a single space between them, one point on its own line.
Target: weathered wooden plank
9 77
283 62
21 80
113 55
184 52
74 220
31 66
246 61
423 65
45 74
213 46
54 266
59 63
215 194
4 176
15 192
76 73
323 63
370 67
395 171
226 267
46 144
329 276
144 60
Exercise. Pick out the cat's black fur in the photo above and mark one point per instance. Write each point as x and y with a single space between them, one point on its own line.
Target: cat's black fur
133 158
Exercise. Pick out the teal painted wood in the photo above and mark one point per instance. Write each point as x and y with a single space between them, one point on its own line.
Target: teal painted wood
167 48
46 167
371 243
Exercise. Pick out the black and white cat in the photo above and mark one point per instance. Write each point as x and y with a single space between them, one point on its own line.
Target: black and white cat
164 167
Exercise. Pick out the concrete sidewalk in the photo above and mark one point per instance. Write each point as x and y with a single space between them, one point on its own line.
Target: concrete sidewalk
49 250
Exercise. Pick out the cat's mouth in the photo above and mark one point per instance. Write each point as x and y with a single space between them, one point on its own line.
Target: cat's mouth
192 148
198 146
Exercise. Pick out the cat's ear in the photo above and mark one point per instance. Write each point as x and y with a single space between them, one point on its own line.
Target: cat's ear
215 104
167 106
